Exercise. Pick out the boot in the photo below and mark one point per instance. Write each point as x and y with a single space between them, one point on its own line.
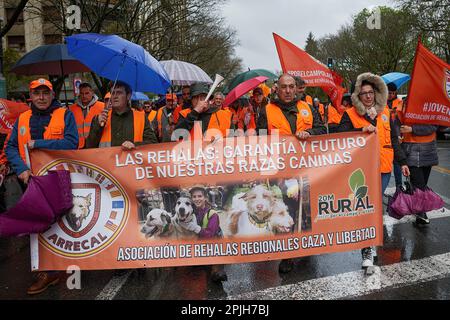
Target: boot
286 266
218 273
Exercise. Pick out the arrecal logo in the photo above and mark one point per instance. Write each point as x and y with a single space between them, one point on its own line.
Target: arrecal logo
99 214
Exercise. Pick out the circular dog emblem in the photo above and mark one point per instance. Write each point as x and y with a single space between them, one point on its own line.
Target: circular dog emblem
22 130
384 118
99 213
305 113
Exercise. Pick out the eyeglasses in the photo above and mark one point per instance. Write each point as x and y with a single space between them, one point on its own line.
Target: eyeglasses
367 94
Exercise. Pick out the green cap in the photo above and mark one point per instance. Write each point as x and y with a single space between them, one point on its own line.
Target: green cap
199 88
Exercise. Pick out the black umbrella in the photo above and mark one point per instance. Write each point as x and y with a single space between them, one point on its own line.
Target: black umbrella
52 59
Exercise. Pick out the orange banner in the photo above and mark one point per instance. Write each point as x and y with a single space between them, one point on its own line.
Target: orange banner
298 62
274 197
9 112
429 91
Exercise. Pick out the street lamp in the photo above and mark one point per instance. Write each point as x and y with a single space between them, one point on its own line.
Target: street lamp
2 78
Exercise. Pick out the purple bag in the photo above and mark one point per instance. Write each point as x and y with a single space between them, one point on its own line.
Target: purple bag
45 200
408 200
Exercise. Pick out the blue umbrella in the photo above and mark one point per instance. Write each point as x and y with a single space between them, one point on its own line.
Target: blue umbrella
115 58
139 96
397 78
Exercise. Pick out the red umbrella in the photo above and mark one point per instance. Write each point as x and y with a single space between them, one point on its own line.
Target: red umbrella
242 89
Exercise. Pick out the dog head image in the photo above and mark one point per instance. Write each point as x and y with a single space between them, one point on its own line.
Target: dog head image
184 211
280 220
259 202
157 224
79 212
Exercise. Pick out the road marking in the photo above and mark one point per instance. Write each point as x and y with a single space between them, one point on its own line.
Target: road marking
356 283
113 287
441 169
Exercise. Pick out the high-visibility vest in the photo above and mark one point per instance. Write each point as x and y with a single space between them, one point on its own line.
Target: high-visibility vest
241 124
152 115
277 120
397 106
333 115
308 99
384 135
84 124
138 127
54 130
409 137
205 222
220 120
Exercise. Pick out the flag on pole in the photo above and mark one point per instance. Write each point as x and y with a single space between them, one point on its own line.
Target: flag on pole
429 90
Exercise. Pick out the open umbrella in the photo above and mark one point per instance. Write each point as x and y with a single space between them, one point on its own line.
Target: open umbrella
45 200
184 73
115 58
139 96
51 59
242 89
249 75
397 78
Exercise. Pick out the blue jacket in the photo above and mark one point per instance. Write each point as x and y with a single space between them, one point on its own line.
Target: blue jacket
38 121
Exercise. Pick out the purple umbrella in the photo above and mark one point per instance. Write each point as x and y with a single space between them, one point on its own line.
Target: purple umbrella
45 200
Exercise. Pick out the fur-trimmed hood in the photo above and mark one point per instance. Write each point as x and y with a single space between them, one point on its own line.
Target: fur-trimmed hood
381 93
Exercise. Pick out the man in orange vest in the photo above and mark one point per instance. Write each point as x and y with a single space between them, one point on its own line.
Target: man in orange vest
166 118
328 114
209 116
47 125
395 105
120 125
301 87
84 109
291 117
370 114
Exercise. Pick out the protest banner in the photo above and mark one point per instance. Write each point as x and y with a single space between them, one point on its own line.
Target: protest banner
276 197
429 91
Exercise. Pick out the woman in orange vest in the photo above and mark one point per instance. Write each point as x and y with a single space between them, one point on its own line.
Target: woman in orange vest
419 145
370 114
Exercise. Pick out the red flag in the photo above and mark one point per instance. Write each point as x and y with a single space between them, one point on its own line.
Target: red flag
9 112
298 62
429 90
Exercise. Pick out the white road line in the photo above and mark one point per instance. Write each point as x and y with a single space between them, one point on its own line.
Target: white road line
113 287
354 284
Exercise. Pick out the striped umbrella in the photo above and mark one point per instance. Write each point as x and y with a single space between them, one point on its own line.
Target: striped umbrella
184 73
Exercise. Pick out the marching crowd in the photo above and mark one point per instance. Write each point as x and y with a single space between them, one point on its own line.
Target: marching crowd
90 123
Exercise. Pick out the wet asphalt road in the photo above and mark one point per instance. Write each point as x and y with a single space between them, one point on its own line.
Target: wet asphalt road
414 263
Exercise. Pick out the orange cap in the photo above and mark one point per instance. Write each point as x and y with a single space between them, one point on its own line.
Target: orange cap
107 95
171 96
41 82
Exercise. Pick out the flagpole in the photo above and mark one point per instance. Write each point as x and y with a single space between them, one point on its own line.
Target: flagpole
412 77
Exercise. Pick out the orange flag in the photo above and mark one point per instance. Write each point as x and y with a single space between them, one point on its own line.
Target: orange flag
429 90
298 62
9 112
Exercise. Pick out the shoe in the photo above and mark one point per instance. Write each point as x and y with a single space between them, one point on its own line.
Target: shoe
218 273
44 280
422 219
286 266
367 257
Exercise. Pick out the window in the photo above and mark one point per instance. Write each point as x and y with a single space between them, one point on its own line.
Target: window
16 42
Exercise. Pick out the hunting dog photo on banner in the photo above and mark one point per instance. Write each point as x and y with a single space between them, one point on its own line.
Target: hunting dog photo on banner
252 208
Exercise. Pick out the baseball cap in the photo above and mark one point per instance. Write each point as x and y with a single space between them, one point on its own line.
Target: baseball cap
107 95
41 82
171 96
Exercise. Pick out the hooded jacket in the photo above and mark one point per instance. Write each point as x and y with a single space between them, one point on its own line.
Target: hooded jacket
381 95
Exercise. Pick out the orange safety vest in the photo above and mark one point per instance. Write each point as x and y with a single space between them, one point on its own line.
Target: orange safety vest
333 115
220 120
277 120
242 113
54 130
309 99
84 124
152 115
384 135
138 125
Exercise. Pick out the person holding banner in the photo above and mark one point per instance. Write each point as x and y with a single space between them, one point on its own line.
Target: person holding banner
370 114
293 117
210 117
130 127
84 109
47 125
207 226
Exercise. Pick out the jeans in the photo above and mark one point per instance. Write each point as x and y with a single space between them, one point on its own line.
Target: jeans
385 177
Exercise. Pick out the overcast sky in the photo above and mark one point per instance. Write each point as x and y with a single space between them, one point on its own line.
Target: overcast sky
255 20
